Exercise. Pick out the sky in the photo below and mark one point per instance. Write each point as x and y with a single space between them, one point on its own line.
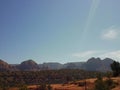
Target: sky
59 30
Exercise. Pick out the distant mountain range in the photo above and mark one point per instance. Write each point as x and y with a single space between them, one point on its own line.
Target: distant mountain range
92 64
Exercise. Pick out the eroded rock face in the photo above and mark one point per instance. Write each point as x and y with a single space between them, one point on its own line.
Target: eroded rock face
28 65
96 64
92 64
4 66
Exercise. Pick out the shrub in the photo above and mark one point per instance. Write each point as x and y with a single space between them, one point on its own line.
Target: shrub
108 84
41 87
49 87
23 87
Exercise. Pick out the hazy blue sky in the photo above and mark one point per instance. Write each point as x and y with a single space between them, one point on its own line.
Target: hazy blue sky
59 30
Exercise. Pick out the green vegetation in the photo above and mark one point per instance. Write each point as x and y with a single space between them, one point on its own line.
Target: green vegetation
108 84
18 78
23 87
43 86
115 66
101 84
49 87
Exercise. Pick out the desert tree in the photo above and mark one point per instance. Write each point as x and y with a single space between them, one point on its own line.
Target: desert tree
115 66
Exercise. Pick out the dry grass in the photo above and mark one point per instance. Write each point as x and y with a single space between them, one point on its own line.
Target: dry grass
90 84
75 85
66 87
117 80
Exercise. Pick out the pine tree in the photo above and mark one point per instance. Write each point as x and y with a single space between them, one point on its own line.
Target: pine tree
115 66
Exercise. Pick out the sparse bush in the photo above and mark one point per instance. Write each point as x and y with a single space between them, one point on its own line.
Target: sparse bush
23 87
4 88
81 84
101 84
49 87
41 87
109 83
